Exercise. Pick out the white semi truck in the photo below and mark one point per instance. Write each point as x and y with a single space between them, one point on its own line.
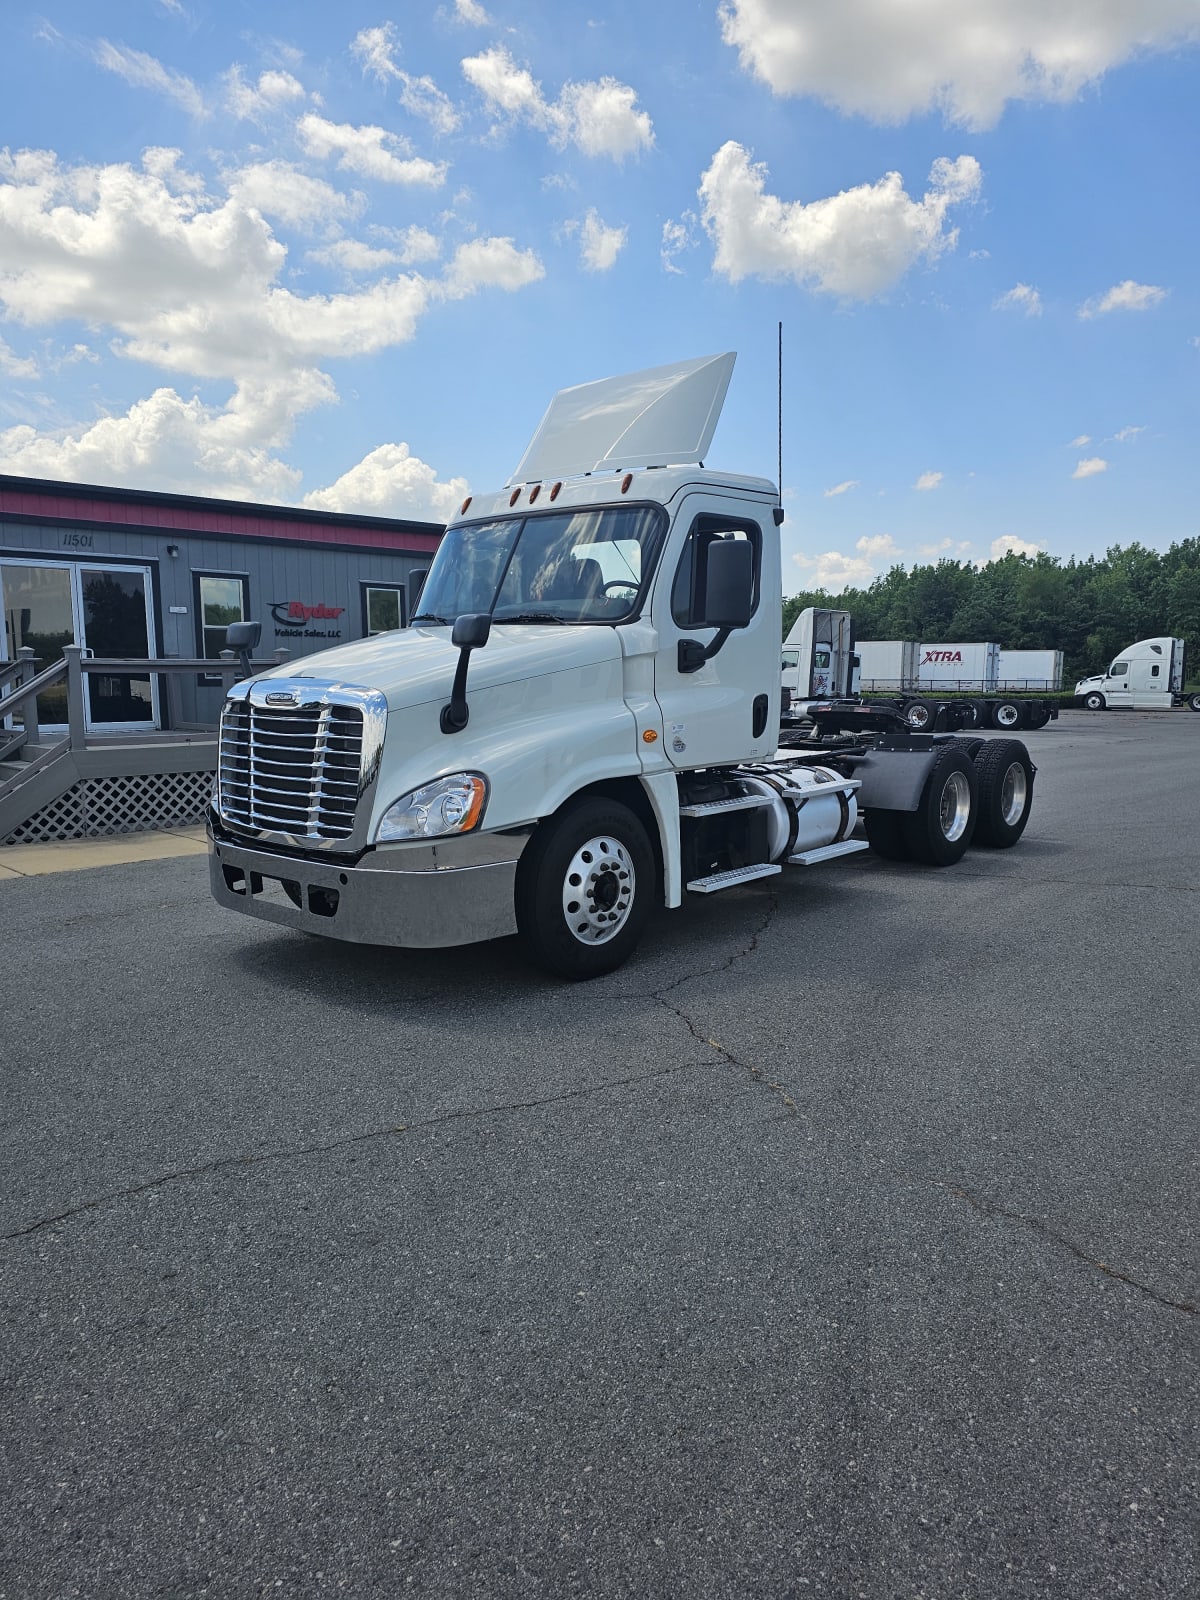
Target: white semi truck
1146 676
583 719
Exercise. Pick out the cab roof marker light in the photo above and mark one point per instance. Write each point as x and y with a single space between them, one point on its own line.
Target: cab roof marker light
534 492
462 510
515 496
625 482
556 488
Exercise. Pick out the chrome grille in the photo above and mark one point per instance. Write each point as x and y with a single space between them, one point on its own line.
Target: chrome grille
297 771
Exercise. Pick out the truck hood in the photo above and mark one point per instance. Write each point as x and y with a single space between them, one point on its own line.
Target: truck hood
1089 683
415 665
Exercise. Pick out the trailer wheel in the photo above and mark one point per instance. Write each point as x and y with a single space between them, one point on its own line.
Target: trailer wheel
1194 702
1005 775
939 830
1094 700
1007 714
918 714
885 834
1038 717
584 888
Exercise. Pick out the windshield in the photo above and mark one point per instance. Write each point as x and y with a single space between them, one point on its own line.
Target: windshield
568 566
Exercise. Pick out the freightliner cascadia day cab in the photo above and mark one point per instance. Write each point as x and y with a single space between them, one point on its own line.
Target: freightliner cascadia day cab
583 719
823 663
1146 676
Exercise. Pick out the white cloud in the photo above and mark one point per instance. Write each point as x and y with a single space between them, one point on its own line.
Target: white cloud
965 58
1123 435
391 482
470 11
271 93
928 480
841 488
375 48
600 245
856 243
834 571
676 238
1090 467
1009 545
1078 444
189 283
491 263
1127 296
15 366
354 258
599 118
278 189
1021 297
144 72
374 152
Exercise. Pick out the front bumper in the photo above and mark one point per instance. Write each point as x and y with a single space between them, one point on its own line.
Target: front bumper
420 896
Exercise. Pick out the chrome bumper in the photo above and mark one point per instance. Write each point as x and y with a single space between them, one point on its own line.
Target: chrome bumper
459 891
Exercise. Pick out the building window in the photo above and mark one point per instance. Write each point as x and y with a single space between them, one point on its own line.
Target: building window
383 608
220 600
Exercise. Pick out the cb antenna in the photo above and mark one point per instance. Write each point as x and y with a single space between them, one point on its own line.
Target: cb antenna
780 412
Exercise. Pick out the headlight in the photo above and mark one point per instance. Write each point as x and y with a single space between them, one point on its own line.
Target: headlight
448 805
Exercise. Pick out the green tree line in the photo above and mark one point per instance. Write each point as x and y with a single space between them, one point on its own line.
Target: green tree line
1089 609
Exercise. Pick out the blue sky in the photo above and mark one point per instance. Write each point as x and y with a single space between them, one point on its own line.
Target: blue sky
343 255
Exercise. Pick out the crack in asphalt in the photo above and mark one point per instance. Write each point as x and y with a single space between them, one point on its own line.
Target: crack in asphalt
990 1209
296 1152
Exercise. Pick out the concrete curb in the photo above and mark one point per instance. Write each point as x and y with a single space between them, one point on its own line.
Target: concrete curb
76 855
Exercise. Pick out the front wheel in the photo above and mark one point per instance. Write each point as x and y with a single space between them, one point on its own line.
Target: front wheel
939 830
1094 701
1005 775
1194 702
584 889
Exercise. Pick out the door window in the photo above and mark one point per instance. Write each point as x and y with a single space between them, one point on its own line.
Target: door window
220 600
687 592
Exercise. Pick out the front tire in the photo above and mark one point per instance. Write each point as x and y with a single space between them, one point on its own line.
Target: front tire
939 830
1005 775
1194 702
1095 701
584 889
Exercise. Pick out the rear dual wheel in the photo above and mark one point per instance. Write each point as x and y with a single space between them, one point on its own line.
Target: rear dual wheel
1005 775
939 830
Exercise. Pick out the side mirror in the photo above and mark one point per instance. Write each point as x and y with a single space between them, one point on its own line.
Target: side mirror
243 637
471 631
729 584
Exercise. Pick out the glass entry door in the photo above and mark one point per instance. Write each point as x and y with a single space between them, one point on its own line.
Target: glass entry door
39 612
104 609
115 621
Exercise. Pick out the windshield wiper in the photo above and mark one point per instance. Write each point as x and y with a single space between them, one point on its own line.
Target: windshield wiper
531 616
430 616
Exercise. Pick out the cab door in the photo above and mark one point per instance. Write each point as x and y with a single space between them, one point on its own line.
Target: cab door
1117 690
726 709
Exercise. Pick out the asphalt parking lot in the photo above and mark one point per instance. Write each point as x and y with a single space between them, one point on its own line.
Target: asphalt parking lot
844 1243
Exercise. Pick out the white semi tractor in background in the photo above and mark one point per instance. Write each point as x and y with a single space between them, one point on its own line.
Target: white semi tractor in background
822 662
1146 676
582 720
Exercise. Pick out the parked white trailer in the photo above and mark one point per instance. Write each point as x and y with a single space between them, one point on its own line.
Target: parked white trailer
963 668
887 664
1146 676
1030 669
818 653
582 720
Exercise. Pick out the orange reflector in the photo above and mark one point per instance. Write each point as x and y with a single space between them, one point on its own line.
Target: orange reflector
625 482
462 510
534 492
514 497
649 736
554 491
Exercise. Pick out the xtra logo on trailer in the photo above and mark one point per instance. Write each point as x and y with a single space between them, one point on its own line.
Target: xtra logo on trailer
294 620
948 656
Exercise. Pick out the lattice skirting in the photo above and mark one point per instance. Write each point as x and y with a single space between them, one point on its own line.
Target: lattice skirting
97 807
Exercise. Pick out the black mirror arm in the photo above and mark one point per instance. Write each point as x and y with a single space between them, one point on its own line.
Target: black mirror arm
456 715
692 654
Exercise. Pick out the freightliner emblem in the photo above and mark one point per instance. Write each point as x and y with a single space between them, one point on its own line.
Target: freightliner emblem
282 698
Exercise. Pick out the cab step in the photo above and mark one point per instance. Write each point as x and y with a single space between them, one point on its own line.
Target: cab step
717 881
826 852
715 808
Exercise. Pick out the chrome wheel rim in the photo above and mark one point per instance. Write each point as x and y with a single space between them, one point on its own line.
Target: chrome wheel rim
918 716
1008 717
598 890
1013 789
954 807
